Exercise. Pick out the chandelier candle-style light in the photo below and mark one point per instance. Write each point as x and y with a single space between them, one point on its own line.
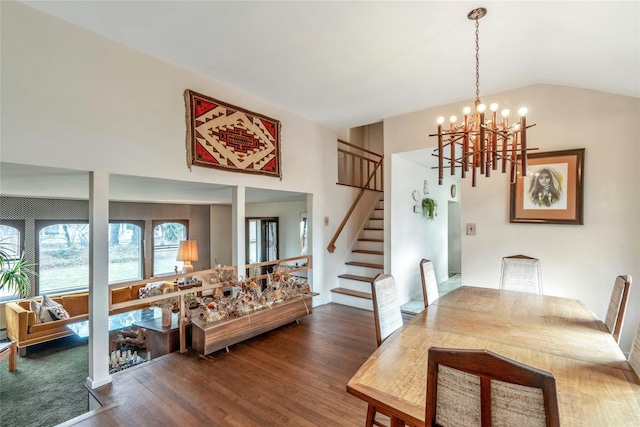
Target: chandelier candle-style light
482 141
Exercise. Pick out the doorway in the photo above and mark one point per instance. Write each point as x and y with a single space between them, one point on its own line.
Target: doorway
453 222
262 243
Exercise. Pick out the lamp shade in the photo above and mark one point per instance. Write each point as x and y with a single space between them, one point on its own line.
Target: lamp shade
187 251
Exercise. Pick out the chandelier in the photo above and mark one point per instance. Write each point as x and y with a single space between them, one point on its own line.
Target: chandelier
481 141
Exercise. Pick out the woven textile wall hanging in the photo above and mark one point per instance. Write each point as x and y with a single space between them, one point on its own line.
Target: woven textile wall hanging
223 136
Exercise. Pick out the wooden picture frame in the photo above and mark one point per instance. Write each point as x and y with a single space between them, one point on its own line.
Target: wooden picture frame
552 190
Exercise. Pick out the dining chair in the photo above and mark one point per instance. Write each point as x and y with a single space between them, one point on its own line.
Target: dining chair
9 350
521 273
618 305
386 306
388 318
429 283
481 388
634 353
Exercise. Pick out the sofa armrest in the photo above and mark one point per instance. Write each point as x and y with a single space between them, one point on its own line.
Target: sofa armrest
17 319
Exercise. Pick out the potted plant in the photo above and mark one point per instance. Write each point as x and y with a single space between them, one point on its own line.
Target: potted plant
429 208
14 276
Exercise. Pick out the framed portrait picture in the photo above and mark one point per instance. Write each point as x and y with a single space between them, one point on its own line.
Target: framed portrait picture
552 190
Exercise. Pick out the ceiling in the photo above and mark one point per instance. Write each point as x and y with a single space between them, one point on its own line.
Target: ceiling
351 63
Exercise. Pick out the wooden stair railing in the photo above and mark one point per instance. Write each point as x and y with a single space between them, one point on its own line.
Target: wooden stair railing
332 244
357 167
303 260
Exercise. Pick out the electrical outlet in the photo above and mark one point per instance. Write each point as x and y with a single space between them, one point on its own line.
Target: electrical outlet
471 229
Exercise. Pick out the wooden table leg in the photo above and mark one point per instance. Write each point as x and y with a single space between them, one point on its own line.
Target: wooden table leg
397 422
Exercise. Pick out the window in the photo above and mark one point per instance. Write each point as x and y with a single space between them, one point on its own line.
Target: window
63 256
166 237
10 243
125 252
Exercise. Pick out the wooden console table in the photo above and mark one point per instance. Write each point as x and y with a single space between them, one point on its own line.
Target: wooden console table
210 337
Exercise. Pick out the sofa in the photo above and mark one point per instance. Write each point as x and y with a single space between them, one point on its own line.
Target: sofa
23 326
124 294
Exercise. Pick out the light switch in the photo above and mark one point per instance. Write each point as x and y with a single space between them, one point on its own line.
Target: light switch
471 229
326 221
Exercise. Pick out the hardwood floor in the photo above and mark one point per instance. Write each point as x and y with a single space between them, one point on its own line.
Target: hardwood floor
295 375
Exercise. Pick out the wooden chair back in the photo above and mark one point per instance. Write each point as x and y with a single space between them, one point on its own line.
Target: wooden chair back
388 318
634 353
386 306
521 273
481 388
430 291
618 305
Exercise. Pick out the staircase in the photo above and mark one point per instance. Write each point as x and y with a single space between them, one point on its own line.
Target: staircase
365 262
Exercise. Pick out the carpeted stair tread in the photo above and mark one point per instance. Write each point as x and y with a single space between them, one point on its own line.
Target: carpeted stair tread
352 293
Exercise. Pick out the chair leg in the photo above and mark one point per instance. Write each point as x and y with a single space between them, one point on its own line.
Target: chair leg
13 357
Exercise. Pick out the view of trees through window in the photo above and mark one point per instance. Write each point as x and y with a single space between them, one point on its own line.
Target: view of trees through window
125 252
62 260
166 237
63 256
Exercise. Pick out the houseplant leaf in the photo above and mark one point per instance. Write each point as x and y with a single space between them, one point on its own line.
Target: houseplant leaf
429 207
15 276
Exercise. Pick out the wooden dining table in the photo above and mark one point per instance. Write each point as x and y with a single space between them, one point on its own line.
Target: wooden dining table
595 384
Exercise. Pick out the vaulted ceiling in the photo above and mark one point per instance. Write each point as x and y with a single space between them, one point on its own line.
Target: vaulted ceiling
351 63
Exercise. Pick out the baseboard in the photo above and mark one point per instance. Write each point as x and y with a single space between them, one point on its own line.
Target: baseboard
91 384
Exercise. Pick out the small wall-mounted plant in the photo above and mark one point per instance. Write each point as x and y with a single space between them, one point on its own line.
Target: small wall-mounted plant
429 208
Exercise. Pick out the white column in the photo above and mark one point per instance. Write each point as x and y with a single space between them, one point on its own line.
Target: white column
238 227
98 280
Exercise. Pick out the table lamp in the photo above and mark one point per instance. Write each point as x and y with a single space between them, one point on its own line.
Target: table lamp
187 252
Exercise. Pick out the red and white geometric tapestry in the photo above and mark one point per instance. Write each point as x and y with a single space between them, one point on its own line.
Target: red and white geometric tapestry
224 136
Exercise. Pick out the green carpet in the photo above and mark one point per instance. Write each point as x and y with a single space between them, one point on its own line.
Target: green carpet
48 386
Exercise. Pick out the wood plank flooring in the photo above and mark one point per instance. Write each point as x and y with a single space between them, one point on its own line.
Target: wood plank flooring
295 375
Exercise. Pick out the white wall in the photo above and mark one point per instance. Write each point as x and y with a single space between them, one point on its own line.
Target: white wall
578 261
412 236
220 234
73 99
